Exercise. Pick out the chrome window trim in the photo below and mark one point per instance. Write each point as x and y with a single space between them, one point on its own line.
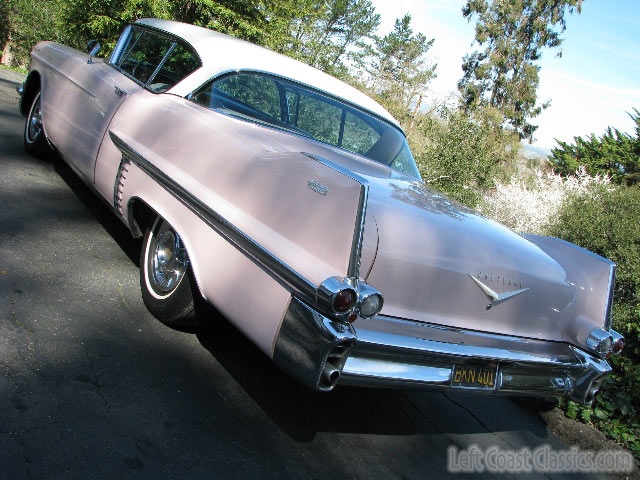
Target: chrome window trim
324 93
120 45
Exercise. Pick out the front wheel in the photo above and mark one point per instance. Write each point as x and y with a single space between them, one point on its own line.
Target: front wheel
35 141
166 279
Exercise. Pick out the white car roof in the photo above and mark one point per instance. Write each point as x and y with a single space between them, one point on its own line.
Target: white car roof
221 53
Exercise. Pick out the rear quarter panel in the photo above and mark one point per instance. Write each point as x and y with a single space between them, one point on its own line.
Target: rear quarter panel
591 275
244 173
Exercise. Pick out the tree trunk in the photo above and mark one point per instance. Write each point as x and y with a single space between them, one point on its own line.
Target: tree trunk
7 56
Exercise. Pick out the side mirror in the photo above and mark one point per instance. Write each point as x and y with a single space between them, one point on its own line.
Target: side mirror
93 47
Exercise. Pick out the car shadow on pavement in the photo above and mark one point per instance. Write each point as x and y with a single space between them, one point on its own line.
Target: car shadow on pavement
99 209
301 413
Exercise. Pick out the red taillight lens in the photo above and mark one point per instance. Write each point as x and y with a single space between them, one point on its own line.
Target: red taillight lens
344 300
618 345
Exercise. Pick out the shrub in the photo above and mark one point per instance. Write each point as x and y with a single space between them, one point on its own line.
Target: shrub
461 155
615 153
608 223
530 203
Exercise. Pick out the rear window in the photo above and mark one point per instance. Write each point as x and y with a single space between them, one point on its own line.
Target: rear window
155 60
290 106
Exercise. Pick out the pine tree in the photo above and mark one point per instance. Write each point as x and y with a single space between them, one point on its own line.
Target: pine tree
615 153
398 68
504 74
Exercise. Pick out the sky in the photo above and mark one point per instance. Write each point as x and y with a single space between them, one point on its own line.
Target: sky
592 86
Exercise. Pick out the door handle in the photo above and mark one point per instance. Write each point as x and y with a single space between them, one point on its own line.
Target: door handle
119 91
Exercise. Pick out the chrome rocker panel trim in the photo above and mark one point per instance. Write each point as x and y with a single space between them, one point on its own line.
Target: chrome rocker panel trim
396 353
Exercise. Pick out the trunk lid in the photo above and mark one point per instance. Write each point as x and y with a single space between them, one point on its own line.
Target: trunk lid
430 247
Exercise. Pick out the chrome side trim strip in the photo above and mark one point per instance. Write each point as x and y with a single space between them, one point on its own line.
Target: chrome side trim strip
353 270
299 284
608 321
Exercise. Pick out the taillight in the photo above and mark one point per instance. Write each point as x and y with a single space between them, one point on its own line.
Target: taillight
348 299
344 300
618 342
618 346
605 342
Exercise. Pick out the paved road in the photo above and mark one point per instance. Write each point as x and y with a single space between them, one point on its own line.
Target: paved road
92 386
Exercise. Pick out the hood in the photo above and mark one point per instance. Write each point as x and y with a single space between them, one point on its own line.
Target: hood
429 249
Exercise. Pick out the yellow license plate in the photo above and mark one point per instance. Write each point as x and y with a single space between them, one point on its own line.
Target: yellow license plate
475 375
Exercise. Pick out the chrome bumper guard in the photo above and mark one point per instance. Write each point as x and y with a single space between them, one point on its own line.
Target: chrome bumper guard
396 353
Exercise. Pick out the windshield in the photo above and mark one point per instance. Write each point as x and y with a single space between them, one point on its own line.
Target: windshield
294 107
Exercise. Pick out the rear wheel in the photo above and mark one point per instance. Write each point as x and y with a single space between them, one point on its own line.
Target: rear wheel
166 279
35 141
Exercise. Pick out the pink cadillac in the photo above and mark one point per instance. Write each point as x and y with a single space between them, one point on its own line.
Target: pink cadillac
291 202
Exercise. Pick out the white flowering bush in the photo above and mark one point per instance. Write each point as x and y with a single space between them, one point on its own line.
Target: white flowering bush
530 205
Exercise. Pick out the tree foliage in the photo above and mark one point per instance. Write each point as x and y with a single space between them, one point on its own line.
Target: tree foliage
615 153
321 33
23 23
462 154
398 68
504 73
318 32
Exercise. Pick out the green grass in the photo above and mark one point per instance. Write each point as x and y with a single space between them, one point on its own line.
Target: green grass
14 69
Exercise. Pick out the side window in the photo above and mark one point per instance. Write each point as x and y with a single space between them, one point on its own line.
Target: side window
244 94
319 118
358 136
288 105
157 61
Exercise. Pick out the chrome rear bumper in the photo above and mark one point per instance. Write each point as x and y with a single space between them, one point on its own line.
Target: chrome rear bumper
390 352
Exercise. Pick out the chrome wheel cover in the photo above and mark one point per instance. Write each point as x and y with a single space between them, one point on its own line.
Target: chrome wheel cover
169 261
34 127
